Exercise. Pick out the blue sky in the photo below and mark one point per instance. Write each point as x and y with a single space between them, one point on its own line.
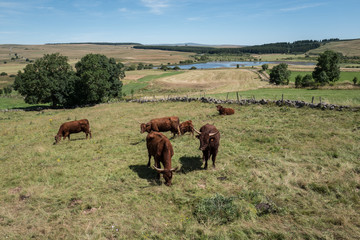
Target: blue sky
240 22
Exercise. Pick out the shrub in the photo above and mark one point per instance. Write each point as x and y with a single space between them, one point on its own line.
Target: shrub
280 75
355 80
217 210
3 74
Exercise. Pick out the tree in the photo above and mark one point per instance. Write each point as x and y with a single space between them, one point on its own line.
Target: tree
280 75
327 69
265 67
98 79
49 80
140 66
298 81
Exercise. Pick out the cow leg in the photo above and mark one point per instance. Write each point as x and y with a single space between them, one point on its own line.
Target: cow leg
148 165
157 163
67 135
206 155
213 157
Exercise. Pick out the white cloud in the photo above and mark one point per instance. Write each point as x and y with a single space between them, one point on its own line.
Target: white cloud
156 6
297 8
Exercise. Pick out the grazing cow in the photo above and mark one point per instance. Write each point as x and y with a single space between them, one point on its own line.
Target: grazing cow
161 125
186 126
160 148
209 138
73 127
225 111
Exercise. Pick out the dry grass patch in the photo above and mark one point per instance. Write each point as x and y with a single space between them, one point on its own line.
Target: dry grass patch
213 81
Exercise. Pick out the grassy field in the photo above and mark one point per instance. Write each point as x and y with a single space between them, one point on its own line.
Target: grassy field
348 97
347 48
15 101
123 53
287 174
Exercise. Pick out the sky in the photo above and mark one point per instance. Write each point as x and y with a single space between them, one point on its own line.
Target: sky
214 22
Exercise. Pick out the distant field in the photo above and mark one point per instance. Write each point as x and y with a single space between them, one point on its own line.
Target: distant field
123 53
347 48
212 81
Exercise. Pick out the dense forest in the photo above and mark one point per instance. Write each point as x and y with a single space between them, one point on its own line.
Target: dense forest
281 47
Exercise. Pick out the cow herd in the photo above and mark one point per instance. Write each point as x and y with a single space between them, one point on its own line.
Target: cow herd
158 145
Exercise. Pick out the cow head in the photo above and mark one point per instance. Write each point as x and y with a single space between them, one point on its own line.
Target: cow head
145 127
219 107
205 139
167 174
185 127
57 139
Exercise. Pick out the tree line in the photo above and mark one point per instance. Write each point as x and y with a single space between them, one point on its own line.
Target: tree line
51 79
281 47
327 71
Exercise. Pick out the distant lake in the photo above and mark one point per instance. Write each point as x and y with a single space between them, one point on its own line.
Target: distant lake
210 65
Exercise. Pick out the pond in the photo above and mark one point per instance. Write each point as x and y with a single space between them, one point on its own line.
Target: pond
210 65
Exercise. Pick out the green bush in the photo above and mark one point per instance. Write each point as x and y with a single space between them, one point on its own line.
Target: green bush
217 210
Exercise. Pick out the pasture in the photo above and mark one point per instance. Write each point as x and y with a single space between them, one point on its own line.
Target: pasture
289 173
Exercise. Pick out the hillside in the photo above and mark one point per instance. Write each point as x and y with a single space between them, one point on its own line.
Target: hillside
350 48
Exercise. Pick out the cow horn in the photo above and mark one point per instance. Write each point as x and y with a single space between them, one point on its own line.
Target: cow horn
196 131
174 169
158 169
213 134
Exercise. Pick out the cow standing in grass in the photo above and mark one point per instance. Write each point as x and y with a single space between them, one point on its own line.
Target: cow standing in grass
225 111
186 126
160 148
164 124
209 138
73 127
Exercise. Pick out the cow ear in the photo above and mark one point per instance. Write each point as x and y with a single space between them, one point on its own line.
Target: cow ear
198 136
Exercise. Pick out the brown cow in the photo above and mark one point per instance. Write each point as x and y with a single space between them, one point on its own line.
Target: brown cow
209 138
159 146
73 127
186 126
161 125
225 111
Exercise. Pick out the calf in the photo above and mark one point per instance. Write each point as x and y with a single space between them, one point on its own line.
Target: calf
225 111
209 138
186 126
161 125
73 127
160 148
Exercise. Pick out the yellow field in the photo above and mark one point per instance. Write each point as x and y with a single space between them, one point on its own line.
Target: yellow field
123 53
213 81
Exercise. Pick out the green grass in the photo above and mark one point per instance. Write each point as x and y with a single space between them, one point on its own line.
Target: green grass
16 101
143 82
291 174
340 97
